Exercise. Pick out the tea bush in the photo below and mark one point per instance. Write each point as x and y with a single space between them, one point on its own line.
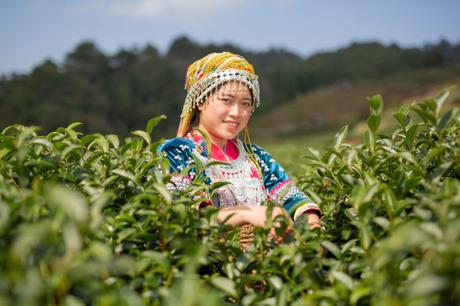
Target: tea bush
88 220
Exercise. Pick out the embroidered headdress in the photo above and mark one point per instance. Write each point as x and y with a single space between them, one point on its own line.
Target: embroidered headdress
206 75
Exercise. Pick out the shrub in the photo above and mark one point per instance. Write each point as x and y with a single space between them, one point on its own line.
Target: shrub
88 219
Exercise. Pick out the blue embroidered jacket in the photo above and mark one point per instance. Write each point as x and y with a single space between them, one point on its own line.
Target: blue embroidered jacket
276 182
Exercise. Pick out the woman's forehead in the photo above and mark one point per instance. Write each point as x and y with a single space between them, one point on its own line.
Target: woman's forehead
234 88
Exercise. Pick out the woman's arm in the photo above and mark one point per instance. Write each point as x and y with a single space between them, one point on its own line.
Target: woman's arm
283 190
254 215
257 216
235 215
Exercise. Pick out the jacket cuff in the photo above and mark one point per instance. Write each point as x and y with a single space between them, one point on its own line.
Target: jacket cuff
307 207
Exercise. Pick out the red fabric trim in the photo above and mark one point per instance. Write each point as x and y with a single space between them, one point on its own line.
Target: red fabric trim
231 151
316 211
278 187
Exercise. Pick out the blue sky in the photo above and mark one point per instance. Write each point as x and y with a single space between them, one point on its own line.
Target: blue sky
33 30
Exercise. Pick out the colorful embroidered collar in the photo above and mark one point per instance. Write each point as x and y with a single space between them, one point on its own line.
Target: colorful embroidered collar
231 149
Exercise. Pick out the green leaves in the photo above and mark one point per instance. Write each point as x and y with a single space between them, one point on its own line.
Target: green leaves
340 136
441 99
397 192
91 219
376 107
143 135
226 285
152 123
331 247
70 202
402 116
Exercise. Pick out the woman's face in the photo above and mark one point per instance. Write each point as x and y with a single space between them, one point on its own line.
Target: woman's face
226 113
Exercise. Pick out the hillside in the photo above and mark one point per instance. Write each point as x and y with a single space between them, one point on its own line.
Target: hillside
331 107
120 92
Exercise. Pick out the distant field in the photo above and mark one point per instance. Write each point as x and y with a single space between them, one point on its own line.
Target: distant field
290 152
290 149
329 108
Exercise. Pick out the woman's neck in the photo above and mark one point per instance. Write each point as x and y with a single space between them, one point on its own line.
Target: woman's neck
221 143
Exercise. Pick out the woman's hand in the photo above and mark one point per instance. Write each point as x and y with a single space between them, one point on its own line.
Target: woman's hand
313 220
257 216
234 215
254 215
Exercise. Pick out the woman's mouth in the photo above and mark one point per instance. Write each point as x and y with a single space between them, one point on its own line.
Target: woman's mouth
232 125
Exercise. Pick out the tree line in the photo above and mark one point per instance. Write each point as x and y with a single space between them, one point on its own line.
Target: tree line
118 93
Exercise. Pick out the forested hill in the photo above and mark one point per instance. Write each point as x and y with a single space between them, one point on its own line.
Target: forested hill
118 93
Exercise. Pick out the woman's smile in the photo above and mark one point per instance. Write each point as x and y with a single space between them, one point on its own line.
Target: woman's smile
232 124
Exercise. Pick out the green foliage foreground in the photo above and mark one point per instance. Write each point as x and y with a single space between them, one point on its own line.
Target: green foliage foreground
87 219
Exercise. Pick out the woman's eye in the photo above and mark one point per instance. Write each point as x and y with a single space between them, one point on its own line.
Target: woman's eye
246 104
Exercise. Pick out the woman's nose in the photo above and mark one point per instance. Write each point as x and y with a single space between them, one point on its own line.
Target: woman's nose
235 109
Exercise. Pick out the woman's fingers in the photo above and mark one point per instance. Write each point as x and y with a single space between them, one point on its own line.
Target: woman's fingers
256 216
314 224
236 215
278 211
314 221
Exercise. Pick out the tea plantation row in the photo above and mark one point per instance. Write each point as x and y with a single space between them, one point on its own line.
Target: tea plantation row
88 220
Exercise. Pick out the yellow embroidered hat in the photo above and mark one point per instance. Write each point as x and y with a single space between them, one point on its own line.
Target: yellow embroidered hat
206 75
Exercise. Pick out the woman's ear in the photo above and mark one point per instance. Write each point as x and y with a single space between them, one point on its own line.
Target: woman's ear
200 107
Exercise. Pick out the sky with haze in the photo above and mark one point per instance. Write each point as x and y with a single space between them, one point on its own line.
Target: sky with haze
34 30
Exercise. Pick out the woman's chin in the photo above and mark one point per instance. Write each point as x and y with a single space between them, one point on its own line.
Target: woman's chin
230 133
227 133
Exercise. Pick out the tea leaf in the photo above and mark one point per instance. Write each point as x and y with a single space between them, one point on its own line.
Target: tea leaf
163 191
143 135
332 248
226 285
441 99
373 123
71 202
376 105
340 136
344 279
125 174
152 123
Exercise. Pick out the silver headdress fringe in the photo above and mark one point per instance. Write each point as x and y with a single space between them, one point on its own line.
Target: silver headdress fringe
204 88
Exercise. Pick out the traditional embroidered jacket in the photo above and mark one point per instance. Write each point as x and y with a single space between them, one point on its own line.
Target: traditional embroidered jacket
247 185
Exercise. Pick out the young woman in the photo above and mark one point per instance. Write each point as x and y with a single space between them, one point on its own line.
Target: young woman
222 93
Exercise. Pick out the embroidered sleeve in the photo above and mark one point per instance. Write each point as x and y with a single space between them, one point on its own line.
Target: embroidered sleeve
280 188
182 167
179 153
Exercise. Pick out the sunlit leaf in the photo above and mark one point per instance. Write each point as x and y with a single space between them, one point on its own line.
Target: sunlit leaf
340 136
376 105
71 202
225 284
344 279
163 191
331 247
425 285
143 135
152 123
113 140
125 174
373 123
441 99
